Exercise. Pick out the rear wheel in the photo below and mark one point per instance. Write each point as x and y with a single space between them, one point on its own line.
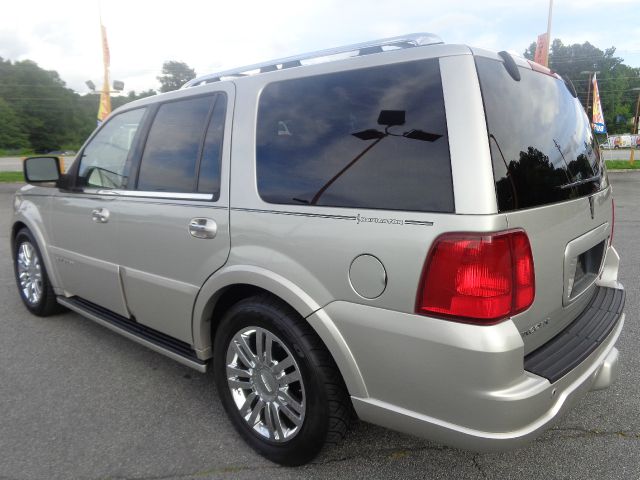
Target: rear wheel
277 381
35 289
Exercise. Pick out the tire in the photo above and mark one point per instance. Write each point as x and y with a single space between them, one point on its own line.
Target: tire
285 420
33 282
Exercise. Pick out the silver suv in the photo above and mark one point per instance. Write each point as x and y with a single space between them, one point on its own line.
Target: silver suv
415 233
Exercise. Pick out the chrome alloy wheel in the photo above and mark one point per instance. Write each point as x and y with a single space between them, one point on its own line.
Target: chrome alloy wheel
266 384
29 273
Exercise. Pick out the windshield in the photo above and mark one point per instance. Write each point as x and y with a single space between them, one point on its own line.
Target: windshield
542 147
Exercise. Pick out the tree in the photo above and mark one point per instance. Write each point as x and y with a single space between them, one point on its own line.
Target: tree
132 95
42 103
615 80
12 136
174 75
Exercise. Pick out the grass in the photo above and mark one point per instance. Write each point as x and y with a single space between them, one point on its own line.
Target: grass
623 164
11 177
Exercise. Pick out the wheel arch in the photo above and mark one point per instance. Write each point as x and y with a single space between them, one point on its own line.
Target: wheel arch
21 223
231 284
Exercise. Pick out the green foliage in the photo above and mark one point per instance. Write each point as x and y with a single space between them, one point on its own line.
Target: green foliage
615 80
12 136
622 165
39 114
174 75
11 177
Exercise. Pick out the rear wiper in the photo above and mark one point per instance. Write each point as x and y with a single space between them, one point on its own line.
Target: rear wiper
580 182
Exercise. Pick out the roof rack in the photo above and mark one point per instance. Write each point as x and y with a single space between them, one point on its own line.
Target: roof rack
358 49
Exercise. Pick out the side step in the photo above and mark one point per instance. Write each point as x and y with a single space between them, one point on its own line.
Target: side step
156 341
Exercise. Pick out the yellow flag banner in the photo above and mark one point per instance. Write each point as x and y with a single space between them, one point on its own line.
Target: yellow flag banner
105 47
542 50
105 96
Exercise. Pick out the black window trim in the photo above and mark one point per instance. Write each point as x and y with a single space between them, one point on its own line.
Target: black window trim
219 97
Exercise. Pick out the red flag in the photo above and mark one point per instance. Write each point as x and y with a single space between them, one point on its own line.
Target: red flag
542 50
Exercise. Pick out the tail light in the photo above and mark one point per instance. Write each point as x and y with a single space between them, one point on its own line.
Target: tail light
477 278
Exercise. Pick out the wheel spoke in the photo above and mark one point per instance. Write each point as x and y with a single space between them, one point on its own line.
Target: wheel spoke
286 400
268 349
22 262
277 421
246 407
27 253
281 366
242 354
36 290
255 413
243 384
289 378
259 345
291 415
233 372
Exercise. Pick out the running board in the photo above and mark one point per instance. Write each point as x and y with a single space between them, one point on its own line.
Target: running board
150 338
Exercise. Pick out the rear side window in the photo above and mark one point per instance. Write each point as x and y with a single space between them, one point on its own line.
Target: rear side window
542 147
174 145
370 138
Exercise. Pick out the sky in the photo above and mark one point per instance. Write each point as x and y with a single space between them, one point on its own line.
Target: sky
211 35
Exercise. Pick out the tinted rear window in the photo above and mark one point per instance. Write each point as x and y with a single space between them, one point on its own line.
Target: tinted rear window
542 147
370 138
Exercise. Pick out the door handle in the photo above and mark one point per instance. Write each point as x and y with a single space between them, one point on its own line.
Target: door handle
100 215
203 228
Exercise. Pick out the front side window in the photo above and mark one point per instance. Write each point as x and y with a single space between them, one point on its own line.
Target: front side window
170 159
104 160
369 138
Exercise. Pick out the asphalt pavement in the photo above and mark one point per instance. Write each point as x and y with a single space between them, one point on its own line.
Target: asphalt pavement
78 401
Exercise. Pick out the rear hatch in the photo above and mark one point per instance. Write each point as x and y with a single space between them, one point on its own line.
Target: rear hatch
551 183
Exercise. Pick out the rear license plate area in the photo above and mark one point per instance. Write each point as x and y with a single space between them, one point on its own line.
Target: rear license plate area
587 268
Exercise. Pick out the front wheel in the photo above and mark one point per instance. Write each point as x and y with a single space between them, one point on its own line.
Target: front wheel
35 289
277 381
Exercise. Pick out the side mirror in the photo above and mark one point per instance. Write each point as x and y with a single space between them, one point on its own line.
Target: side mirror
41 169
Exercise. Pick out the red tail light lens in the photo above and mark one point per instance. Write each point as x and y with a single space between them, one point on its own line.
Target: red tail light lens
478 278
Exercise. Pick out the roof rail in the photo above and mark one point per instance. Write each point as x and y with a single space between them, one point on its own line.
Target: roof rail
366 48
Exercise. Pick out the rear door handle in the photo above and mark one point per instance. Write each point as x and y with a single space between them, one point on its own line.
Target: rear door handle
100 215
203 228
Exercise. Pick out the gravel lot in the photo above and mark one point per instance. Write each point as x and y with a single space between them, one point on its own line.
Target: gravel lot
78 401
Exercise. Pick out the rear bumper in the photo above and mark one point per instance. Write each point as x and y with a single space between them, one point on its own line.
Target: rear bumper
458 384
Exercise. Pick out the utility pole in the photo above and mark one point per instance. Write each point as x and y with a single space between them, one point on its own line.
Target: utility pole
549 31
635 127
635 119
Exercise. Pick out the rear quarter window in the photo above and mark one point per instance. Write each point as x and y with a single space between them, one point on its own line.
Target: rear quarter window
370 138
